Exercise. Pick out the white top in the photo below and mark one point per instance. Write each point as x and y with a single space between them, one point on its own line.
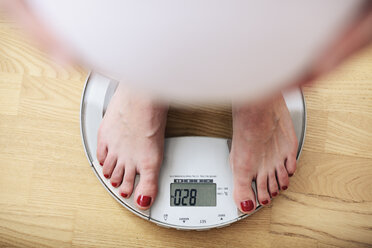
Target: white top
199 49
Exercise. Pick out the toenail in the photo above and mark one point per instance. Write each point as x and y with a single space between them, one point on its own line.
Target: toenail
247 205
101 163
284 187
291 174
106 175
144 201
114 184
124 195
265 202
274 194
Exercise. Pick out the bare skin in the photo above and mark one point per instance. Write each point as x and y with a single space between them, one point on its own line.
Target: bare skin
264 149
131 139
130 142
131 135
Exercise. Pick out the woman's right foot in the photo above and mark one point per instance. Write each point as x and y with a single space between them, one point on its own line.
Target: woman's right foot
130 142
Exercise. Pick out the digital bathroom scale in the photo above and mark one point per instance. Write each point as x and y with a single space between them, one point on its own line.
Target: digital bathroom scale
195 182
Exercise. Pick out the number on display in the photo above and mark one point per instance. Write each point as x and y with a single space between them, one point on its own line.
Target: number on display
185 197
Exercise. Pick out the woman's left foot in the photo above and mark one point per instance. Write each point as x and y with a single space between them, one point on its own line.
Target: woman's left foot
264 148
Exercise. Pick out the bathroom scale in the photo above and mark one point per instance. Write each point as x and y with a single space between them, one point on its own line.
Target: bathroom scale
195 182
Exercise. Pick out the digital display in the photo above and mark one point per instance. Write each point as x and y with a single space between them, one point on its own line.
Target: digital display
192 194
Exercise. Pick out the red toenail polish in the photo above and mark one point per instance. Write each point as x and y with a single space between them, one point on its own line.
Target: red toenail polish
114 184
124 195
144 201
101 163
291 174
247 205
265 202
284 187
106 175
274 194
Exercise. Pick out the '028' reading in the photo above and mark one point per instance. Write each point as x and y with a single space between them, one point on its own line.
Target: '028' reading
185 197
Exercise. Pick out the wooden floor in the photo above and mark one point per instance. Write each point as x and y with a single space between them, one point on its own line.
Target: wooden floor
49 196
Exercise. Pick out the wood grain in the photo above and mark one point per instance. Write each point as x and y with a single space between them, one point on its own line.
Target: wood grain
49 197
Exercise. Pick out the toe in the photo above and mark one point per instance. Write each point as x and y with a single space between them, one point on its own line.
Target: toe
117 174
273 184
290 165
109 165
101 152
282 176
262 191
126 187
244 195
147 188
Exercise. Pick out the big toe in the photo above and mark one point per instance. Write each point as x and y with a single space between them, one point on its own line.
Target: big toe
146 189
244 195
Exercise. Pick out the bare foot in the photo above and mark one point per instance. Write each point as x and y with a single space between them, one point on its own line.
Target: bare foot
131 141
264 148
